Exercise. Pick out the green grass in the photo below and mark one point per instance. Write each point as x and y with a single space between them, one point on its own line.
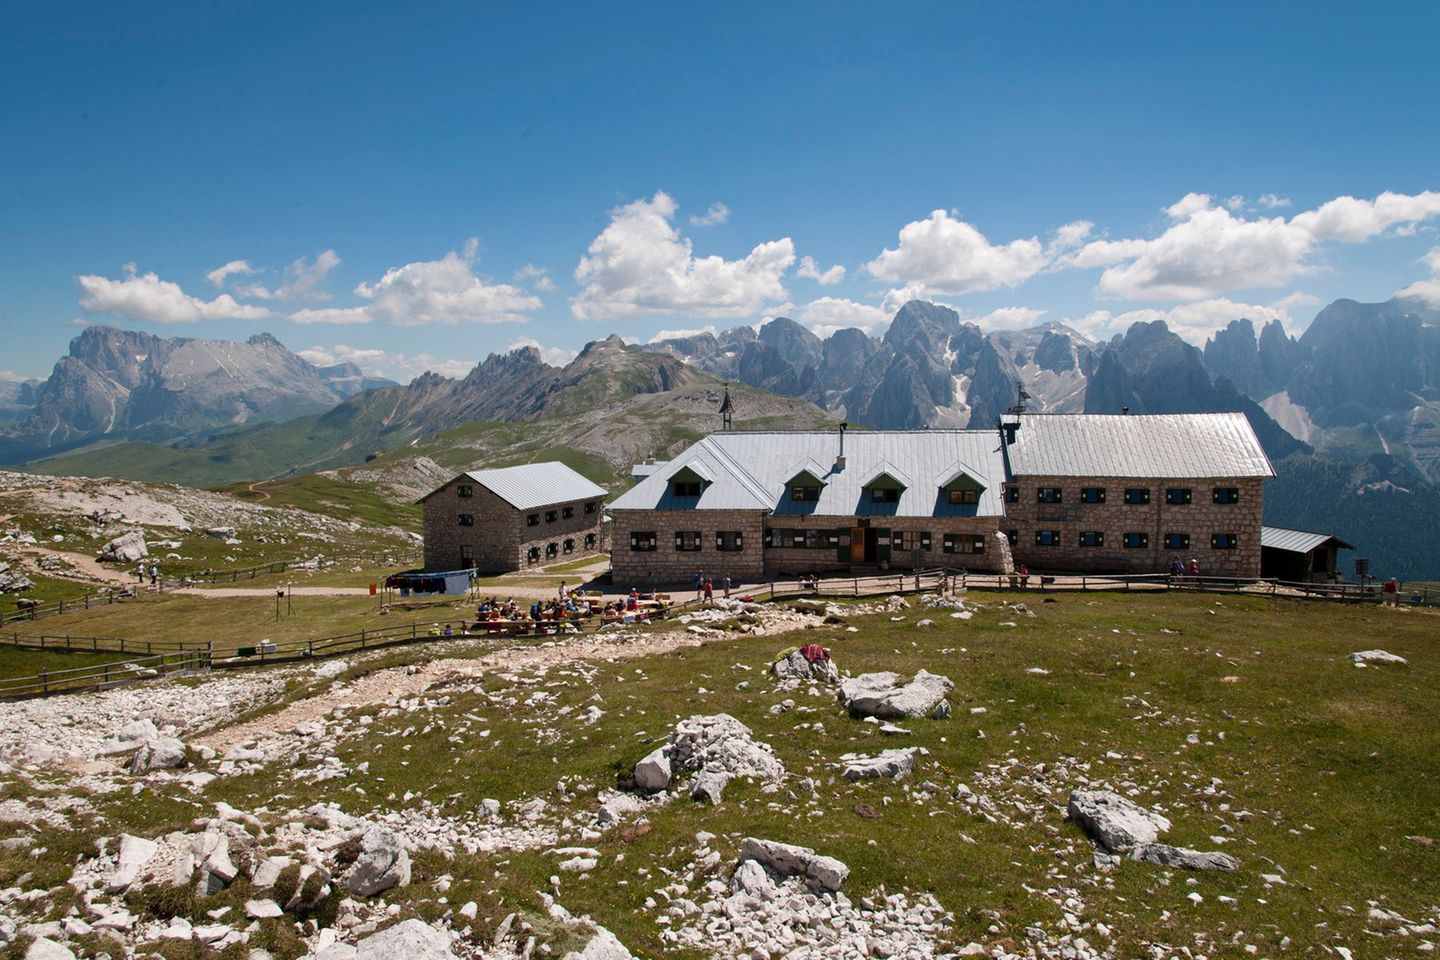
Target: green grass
1336 765
327 495
25 662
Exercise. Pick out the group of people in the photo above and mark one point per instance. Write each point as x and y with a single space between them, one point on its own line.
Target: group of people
705 587
141 571
1179 570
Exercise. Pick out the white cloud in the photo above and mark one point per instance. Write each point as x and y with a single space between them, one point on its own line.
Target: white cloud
537 277
444 291
716 215
1272 201
240 268
1195 322
301 280
1426 290
1068 237
947 254
1009 318
147 297
555 356
1236 203
382 363
681 334
1210 251
827 314
899 296
810 270
640 265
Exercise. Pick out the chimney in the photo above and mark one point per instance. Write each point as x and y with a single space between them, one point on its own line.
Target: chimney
1010 430
1125 410
840 459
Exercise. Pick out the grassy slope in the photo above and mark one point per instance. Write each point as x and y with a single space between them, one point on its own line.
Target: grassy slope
1337 766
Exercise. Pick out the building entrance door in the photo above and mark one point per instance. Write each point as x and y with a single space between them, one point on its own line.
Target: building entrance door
860 541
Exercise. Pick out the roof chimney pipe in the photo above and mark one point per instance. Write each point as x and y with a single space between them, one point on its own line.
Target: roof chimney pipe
840 459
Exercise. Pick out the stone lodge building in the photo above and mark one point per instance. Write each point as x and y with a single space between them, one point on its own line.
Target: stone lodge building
512 518
751 504
1129 494
1056 492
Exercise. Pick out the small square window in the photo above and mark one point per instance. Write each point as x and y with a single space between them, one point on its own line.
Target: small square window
964 496
1177 541
465 490
1227 495
467 554
1137 495
532 554
643 542
568 546
1224 541
551 516
1092 494
567 512
467 519
1178 496
1012 494
686 488
1047 538
533 520
1013 536
1137 541
884 495
729 541
1092 538
551 549
804 492
1048 495
589 540
687 540
590 507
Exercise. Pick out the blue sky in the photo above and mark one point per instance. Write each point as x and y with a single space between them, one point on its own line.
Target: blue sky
417 187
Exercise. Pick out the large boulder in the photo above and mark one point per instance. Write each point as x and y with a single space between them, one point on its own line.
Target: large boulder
383 863
1364 657
135 854
43 948
883 695
408 940
886 765
786 859
165 753
1116 823
126 548
604 945
653 771
1165 855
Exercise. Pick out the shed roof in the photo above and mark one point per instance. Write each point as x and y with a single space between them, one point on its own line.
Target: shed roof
751 471
1297 541
532 485
1156 446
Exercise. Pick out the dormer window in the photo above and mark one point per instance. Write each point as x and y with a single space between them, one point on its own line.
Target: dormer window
804 491
686 488
689 482
963 496
884 495
805 482
959 487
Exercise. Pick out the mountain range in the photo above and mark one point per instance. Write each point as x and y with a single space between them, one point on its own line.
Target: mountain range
1347 410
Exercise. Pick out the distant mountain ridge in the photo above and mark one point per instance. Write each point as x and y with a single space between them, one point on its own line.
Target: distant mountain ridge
129 384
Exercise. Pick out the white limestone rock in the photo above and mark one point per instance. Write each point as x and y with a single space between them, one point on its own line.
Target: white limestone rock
43 948
1162 854
653 771
785 859
883 695
1365 657
886 765
383 863
408 940
1116 823
126 548
135 854
165 753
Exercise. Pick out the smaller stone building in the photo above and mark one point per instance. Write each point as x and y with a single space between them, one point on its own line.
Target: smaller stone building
511 518
1299 556
1131 494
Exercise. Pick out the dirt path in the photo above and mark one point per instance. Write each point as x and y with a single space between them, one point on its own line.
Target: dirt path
259 493
530 593
84 563
401 682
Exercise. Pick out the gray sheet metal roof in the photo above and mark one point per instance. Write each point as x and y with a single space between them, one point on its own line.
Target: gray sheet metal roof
1297 541
1152 445
532 485
751 471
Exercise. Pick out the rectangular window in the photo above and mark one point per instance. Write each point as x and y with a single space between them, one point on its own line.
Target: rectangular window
1092 494
1047 538
568 546
551 549
687 540
567 512
962 543
1224 541
1047 495
924 539
1136 496
467 554
1092 538
551 516
1013 536
729 541
904 540
589 540
465 490
964 496
533 554
1227 494
1012 494
467 519
686 488
814 540
533 520
1178 496
884 495
1137 540
643 542
803 492
590 507
1177 541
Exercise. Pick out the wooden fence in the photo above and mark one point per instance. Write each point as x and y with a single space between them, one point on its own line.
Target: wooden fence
50 682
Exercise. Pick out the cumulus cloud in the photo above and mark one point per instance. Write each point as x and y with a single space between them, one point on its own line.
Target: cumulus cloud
682 334
147 297
1426 290
1009 318
235 268
537 277
555 356
716 215
1272 201
1196 322
640 265
946 254
301 281
810 270
444 291
828 314
1209 250
383 363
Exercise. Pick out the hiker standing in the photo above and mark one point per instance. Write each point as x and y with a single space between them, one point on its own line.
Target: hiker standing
564 591
726 582
709 594
1391 589
154 574
699 583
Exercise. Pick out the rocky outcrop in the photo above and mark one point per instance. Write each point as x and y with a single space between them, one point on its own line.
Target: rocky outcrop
883 695
126 548
788 860
716 749
1164 855
383 863
1116 823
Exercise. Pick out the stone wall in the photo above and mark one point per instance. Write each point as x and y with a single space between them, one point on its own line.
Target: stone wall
501 536
836 533
666 565
1200 518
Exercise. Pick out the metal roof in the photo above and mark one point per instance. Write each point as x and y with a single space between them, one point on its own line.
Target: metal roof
1297 541
1169 445
645 469
751 471
532 485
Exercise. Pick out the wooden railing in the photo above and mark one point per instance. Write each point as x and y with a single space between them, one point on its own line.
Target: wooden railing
50 682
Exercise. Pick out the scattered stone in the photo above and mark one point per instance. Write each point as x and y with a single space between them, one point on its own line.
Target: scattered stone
653 771
882 695
46 949
262 909
135 854
408 940
794 666
1363 658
